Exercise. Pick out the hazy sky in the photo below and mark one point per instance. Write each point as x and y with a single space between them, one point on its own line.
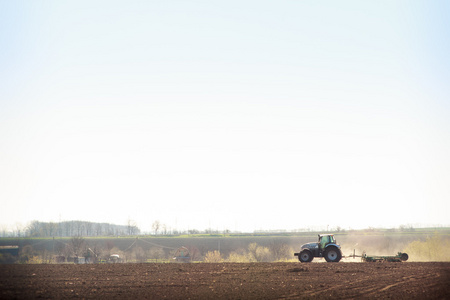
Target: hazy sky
237 115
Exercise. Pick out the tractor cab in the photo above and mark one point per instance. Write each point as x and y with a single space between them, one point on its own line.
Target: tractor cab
325 239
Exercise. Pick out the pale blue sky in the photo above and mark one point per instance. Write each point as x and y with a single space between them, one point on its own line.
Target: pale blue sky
225 114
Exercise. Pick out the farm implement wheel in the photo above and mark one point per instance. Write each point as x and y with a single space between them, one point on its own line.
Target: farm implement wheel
332 254
305 256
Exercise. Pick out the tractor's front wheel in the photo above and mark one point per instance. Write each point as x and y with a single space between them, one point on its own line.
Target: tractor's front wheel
305 256
332 254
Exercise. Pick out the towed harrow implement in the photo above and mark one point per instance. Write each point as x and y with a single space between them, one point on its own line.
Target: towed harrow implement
395 258
401 256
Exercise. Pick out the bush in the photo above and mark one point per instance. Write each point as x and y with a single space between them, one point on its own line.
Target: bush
238 257
282 252
263 254
7 258
35 260
259 253
213 257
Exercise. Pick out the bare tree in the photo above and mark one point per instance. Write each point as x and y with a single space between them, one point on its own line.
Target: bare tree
19 229
77 244
139 254
33 229
156 253
4 231
131 227
156 225
88 226
98 229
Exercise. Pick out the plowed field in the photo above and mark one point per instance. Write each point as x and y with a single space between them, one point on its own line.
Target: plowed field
407 280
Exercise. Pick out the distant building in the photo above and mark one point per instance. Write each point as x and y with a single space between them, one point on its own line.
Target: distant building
9 254
11 250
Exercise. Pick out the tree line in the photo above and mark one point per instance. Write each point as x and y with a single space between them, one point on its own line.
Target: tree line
79 228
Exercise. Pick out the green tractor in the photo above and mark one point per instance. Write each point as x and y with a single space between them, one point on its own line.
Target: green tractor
326 247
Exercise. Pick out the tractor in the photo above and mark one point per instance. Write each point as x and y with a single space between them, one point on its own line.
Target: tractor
326 247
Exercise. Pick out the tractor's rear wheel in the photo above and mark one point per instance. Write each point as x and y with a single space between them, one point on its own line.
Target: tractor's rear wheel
404 257
332 254
305 256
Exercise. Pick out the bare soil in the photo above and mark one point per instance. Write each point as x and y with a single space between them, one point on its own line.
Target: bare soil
407 280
